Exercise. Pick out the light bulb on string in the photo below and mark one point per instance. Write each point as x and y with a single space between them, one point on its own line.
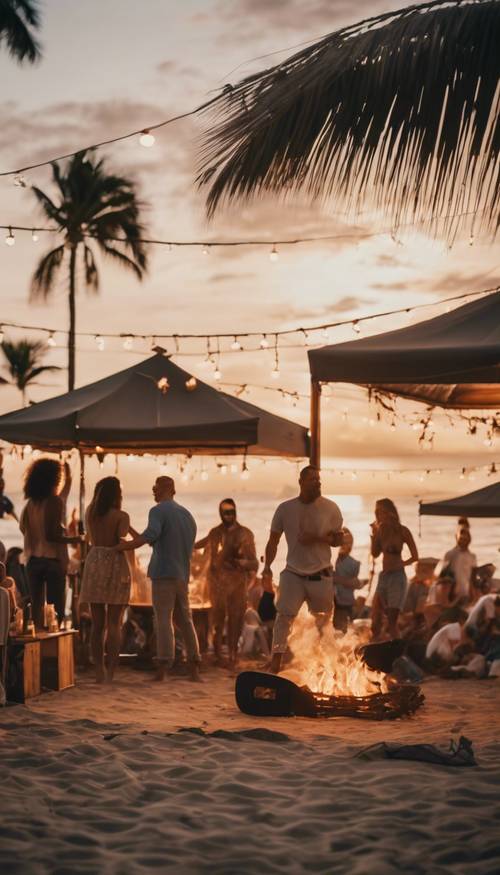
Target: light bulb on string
274 254
275 373
223 470
128 342
355 327
19 181
325 334
245 473
205 250
34 236
264 344
146 139
51 339
217 373
234 468
236 345
10 239
99 342
204 475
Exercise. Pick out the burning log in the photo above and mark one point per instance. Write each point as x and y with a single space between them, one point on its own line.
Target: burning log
268 695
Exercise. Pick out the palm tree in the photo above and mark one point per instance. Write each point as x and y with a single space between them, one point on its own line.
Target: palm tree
91 204
399 110
18 20
24 359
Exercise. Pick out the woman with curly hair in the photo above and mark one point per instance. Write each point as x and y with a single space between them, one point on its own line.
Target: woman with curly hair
106 576
46 488
388 538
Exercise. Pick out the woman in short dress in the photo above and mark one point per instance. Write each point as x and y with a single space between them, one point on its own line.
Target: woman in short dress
388 538
106 576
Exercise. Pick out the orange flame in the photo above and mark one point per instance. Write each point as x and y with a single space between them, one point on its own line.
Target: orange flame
327 662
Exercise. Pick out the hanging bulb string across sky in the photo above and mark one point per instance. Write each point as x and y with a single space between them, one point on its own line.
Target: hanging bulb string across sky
236 337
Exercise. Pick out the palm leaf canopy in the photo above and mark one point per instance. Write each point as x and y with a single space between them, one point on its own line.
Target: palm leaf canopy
399 111
18 20
91 204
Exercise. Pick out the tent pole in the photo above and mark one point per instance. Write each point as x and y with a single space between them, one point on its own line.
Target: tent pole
315 449
81 525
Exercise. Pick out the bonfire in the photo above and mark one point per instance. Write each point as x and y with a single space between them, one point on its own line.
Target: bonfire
326 677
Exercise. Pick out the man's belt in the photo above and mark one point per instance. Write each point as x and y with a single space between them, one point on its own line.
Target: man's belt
318 575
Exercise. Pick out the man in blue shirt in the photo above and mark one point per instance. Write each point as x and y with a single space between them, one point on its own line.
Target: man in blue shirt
171 531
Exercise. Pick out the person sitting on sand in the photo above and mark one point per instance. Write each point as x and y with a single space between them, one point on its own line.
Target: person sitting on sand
106 575
484 615
171 531
232 562
481 581
388 538
442 647
312 525
345 582
254 635
412 615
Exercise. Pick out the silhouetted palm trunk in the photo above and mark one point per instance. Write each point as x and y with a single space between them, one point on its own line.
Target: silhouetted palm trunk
72 319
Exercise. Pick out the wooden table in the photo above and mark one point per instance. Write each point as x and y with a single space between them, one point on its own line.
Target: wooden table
41 662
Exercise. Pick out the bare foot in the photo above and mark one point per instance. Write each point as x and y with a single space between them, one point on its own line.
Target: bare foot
194 673
159 674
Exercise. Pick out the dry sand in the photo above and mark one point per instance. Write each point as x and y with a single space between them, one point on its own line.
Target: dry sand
100 780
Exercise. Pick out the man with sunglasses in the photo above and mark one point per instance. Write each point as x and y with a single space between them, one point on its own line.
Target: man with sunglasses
232 560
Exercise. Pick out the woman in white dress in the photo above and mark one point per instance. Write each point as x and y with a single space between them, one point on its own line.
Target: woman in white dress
106 576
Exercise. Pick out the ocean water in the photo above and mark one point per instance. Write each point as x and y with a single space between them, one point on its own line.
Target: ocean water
433 535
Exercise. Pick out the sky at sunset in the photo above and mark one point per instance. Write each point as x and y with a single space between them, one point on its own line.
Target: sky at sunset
114 66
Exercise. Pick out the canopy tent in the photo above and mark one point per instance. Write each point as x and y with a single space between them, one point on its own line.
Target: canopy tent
152 407
451 360
483 502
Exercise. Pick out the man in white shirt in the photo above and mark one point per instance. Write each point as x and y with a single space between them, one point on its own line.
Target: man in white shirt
441 648
312 525
463 563
486 609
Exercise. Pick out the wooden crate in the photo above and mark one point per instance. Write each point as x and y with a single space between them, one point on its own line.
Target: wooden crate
23 677
57 660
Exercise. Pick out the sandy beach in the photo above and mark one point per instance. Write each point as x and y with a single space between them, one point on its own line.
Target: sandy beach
106 779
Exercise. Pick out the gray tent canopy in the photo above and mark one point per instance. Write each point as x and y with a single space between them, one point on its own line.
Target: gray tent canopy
155 407
451 360
483 502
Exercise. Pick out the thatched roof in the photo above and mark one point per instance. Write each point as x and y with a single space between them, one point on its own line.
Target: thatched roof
400 110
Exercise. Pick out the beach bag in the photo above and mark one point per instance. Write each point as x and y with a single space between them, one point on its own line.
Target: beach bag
266 608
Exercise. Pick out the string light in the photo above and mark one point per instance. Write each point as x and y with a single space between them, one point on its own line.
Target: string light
274 254
204 475
51 339
355 327
236 345
163 385
34 236
264 344
128 342
206 250
99 342
191 384
19 181
10 239
147 139
245 473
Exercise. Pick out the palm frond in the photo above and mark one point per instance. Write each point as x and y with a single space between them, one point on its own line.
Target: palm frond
91 272
23 359
400 111
121 258
18 19
43 279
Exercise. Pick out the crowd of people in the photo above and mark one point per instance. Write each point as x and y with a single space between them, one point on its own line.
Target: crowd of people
446 617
